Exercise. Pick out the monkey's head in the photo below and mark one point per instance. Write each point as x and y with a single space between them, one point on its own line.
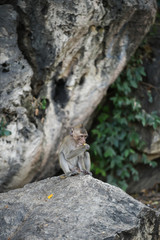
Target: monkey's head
79 134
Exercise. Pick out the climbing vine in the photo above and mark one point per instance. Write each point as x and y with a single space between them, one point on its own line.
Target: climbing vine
117 145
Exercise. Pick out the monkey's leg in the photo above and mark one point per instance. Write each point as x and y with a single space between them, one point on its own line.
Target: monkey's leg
65 166
87 163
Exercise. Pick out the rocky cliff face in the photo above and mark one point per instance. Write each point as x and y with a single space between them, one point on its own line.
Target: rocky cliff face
78 207
148 94
57 60
152 86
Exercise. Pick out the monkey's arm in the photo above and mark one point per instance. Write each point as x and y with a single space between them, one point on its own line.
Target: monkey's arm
63 163
77 151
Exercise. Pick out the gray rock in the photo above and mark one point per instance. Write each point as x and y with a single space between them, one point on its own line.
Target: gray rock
15 80
81 208
149 178
66 53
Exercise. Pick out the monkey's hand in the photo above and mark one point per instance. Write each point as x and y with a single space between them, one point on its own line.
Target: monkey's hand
87 147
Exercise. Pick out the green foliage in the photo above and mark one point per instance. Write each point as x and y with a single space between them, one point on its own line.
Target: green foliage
43 104
158 3
3 130
116 141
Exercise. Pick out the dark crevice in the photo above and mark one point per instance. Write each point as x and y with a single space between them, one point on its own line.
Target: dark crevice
5 67
5 70
5 64
36 85
11 2
45 9
60 93
82 80
25 38
105 3
40 56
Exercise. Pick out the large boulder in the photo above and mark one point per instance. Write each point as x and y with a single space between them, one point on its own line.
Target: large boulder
57 60
79 207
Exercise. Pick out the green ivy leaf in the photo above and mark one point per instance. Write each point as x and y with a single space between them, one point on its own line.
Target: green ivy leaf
103 117
109 152
43 104
116 142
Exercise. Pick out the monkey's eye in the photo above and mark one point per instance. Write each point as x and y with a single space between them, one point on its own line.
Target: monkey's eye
81 137
84 136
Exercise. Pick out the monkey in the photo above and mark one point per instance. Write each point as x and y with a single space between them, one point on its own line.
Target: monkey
73 155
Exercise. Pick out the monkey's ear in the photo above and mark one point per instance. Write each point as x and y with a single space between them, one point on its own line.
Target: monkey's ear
71 131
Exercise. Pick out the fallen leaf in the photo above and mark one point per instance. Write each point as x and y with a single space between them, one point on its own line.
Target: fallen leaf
50 196
62 177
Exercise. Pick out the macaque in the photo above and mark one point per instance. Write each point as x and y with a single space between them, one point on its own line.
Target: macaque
73 155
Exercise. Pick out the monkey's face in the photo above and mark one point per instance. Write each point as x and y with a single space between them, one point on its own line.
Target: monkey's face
81 139
79 135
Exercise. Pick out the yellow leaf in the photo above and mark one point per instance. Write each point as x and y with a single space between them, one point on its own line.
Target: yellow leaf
50 196
63 177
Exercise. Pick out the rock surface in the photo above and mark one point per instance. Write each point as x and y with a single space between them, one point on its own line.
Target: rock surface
81 208
57 60
149 178
151 85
